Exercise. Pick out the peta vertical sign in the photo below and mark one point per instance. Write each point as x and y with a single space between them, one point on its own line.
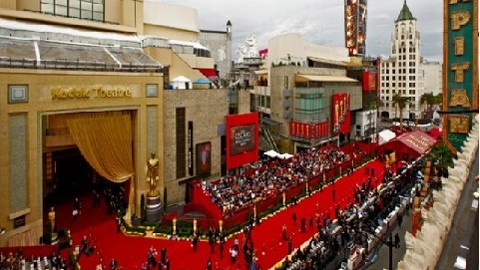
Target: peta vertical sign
460 71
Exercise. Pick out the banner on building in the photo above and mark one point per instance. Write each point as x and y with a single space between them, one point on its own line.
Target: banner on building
341 113
308 130
369 81
460 75
242 131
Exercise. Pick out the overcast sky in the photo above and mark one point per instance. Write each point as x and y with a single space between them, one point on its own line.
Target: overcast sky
319 21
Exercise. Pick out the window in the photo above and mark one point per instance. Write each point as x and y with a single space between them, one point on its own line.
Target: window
310 105
82 9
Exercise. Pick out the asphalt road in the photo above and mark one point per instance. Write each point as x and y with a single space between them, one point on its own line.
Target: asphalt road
462 239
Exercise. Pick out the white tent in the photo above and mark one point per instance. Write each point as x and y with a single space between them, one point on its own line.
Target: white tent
285 156
181 82
385 136
271 153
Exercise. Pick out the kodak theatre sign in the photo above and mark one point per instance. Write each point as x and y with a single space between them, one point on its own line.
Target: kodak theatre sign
460 70
82 92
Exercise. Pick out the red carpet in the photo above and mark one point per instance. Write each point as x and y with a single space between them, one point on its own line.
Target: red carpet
130 251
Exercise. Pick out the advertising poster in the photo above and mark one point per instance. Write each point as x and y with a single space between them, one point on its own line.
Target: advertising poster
341 113
204 159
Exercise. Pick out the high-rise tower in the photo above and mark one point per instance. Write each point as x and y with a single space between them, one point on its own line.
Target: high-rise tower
400 73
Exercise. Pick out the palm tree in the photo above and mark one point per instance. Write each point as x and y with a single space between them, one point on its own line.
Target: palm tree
401 102
430 100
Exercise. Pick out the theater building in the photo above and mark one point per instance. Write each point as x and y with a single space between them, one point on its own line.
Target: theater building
66 64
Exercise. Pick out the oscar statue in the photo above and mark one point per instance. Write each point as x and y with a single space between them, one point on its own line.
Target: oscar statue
152 174
153 205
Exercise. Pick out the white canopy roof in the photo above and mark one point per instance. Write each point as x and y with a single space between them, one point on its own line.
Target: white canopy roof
181 79
271 153
385 136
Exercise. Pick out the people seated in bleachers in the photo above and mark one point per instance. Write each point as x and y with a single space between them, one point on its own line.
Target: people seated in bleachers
271 177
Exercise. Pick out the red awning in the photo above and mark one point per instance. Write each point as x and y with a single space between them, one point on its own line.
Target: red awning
208 72
416 140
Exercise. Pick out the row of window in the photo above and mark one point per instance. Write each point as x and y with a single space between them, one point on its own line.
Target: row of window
403 92
393 78
400 71
402 84
82 9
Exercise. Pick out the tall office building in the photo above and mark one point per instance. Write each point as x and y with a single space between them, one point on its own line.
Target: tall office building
401 72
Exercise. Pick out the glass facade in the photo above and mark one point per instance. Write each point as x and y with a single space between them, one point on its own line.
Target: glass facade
83 9
309 105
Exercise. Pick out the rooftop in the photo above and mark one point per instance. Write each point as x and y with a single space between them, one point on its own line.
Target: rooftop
405 13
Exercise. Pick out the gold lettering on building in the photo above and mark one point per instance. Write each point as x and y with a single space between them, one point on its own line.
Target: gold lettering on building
89 92
459 69
59 93
459 19
453 2
459 124
459 98
459 45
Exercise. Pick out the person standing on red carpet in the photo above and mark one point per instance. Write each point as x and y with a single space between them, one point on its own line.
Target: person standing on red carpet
195 242
284 232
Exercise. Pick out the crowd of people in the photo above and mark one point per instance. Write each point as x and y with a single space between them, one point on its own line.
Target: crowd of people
271 177
333 241
17 260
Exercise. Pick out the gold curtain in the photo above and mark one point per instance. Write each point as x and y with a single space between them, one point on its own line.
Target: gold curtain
105 141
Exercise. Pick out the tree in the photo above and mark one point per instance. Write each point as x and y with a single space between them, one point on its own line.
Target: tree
430 100
401 102
441 155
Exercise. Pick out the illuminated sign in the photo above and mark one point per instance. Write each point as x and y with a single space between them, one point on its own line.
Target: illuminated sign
355 26
460 74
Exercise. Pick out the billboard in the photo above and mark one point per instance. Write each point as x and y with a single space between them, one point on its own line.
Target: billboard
355 26
341 113
460 72
242 136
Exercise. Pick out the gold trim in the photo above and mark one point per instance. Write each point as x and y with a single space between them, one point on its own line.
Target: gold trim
445 76
475 56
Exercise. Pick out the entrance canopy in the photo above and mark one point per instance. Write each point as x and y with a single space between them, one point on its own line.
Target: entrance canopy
416 140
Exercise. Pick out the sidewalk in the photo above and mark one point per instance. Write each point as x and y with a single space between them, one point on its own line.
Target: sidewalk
381 259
